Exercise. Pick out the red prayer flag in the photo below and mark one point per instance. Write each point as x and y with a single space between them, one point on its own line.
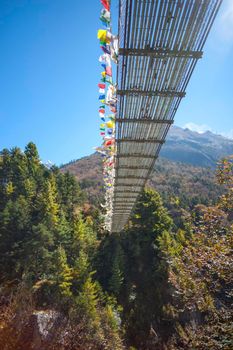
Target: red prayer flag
101 111
105 4
109 143
101 86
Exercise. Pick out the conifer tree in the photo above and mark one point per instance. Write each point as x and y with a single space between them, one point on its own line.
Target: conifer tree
116 279
87 301
64 273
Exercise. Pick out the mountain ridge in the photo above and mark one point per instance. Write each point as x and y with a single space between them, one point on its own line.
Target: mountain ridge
184 170
199 149
191 147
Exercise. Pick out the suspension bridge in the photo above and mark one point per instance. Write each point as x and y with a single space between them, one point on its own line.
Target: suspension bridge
160 43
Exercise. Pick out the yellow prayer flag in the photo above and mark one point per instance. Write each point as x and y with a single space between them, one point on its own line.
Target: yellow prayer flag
110 124
102 35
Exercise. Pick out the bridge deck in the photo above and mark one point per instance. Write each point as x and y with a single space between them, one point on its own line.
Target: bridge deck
160 42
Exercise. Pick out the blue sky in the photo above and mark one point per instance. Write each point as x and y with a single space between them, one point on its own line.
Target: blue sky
49 72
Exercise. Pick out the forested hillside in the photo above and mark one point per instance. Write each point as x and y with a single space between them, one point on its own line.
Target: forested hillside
67 284
184 172
181 186
47 254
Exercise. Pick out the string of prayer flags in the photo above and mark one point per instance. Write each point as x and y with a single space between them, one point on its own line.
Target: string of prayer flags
108 108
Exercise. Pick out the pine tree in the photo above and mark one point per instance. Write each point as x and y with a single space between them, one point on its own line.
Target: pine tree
87 301
64 273
116 279
117 271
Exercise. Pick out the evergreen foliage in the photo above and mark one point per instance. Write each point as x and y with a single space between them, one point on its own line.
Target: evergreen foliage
176 290
158 285
47 244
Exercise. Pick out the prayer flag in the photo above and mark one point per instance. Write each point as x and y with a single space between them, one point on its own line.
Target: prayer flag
105 58
109 71
105 50
103 43
110 124
102 35
111 116
105 15
104 22
105 4
108 143
109 80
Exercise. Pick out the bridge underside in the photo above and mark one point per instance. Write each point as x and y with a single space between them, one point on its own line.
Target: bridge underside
160 42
